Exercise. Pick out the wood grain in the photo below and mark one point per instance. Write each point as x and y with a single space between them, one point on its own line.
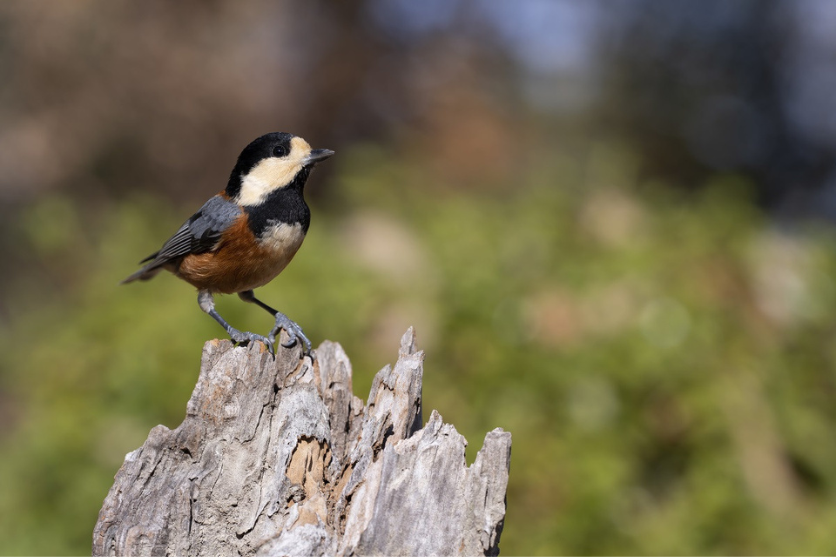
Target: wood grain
280 458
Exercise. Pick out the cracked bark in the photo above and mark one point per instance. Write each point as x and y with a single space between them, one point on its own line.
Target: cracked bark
278 457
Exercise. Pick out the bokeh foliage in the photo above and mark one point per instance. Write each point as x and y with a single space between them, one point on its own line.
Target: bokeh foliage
664 360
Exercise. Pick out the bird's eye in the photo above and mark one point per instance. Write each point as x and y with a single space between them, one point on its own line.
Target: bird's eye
279 151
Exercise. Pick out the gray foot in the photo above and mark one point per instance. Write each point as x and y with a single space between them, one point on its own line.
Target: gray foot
244 337
294 332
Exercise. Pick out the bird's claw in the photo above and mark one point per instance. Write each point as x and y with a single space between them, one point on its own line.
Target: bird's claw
245 337
294 333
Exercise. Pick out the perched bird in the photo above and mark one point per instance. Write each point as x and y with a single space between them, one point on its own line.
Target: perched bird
246 235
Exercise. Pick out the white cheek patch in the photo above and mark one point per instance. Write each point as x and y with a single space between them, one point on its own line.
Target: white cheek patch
268 175
273 173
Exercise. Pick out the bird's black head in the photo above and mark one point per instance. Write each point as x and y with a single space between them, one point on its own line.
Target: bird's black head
275 160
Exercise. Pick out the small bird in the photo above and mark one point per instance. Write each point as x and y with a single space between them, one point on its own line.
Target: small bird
246 235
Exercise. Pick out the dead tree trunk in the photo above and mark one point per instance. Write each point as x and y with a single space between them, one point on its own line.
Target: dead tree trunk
277 457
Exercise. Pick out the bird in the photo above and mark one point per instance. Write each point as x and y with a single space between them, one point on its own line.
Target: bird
244 236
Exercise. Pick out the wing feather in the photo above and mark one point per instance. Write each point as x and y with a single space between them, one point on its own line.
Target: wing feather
202 231
199 234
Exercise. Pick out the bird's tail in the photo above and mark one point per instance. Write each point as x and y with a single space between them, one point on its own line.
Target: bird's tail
147 272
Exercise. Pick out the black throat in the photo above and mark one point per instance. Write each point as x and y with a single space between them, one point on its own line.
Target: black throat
285 205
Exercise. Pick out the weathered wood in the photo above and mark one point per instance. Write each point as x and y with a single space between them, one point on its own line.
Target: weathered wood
278 457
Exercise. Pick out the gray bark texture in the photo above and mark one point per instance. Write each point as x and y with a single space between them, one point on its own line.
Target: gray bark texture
278 457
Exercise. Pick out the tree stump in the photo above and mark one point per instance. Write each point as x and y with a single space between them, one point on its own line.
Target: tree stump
278 457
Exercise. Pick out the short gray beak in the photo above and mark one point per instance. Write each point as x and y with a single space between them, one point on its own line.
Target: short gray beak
318 155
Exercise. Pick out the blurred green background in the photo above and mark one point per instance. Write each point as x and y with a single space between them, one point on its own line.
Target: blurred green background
609 222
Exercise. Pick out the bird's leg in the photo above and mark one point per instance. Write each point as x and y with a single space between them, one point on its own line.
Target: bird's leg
207 304
294 331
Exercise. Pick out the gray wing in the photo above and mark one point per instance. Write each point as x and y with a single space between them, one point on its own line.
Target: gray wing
199 234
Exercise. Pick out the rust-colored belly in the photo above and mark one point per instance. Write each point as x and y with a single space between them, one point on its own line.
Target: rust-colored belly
239 263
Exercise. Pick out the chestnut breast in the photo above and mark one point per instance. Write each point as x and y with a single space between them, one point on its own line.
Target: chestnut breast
242 261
